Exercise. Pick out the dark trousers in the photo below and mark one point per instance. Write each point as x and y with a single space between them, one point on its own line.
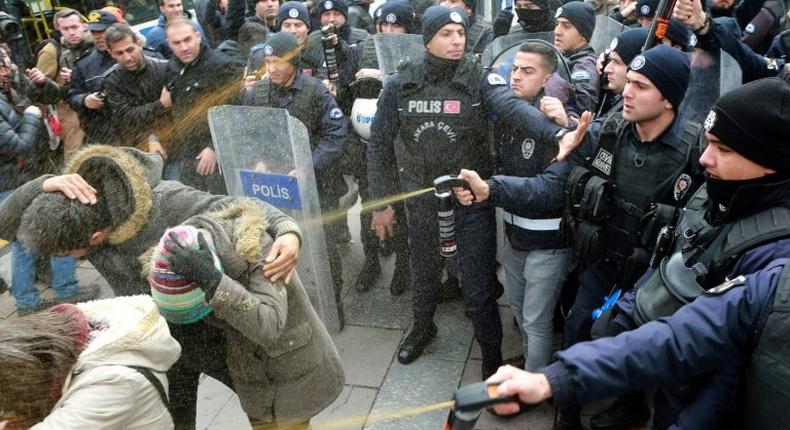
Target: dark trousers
475 230
595 283
203 350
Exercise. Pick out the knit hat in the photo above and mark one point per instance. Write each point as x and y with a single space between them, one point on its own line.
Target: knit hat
338 5
472 4
180 301
646 8
397 12
628 44
581 15
668 69
753 120
293 10
281 44
436 17
680 34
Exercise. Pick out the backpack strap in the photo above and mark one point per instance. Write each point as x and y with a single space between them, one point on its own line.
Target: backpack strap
149 375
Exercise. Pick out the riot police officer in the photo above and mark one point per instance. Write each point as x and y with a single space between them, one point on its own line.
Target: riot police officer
640 167
308 100
574 23
739 301
480 32
431 121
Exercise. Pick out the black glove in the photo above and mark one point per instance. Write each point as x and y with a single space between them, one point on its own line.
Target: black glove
502 22
196 265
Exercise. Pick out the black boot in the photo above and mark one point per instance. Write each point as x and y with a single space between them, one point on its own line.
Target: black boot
492 359
401 276
626 412
415 342
568 419
369 273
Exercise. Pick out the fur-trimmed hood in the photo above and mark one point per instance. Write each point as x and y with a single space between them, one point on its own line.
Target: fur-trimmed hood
123 179
248 221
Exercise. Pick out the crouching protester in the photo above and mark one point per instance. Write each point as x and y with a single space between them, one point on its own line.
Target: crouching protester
95 365
264 337
111 205
722 360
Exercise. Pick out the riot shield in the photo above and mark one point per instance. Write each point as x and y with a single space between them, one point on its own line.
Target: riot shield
605 30
502 61
503 43
256 160
713 74
392 49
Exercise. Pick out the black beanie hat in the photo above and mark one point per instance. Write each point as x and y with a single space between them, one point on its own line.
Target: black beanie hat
753 120
293 10
472 4
680 34
397 12
668 69
281 44
338 5
436 17
646 8
581 15
628 44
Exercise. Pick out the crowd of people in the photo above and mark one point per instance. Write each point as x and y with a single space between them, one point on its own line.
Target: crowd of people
658 232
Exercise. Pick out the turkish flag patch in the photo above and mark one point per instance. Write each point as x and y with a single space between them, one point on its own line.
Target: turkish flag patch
452 106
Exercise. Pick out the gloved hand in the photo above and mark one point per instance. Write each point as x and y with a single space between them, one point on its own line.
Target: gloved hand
194 264
502 22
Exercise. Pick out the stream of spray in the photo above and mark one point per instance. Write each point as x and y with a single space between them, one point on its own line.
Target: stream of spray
358 420
329 217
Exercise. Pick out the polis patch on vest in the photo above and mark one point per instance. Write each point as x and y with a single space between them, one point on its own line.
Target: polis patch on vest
603 161
434 106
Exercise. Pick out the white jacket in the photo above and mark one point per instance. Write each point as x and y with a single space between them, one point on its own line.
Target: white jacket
101 392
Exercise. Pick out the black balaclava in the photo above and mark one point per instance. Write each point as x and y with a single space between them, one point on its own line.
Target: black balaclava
533 20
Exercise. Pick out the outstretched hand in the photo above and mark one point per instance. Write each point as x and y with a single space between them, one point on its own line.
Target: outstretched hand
572 139
479 188
529 387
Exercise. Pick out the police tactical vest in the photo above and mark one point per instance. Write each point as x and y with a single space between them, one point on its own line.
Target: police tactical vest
357 35
703 255
443 128
768 374
641 175
304 106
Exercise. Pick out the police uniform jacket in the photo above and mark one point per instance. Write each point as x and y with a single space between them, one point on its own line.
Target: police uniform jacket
584 78
87 77
133 96
710 338
529 188
479 36
439 124
309 101
725 34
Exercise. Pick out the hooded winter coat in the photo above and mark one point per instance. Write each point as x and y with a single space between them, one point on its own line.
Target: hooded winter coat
142 207
102 391
282 361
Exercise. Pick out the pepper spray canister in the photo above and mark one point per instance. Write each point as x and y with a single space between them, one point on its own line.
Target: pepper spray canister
443 190
469 402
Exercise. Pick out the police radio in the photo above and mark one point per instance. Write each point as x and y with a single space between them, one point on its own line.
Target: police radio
443 190
330 56
469 403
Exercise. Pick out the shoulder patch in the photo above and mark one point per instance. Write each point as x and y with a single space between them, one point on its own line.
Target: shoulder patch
335 113
580 76
749 28
726 286
682 185
495 79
